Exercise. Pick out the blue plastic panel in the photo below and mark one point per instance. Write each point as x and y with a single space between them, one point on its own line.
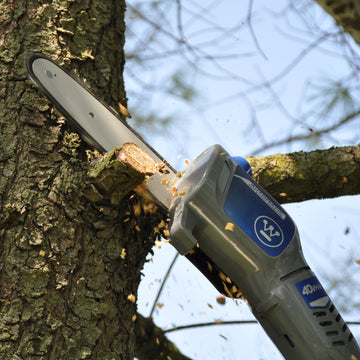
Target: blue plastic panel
313 293
258 214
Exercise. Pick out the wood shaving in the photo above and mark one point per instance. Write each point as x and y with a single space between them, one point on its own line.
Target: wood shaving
222 276
123 254
132 298
162 224
123 110
229 226
137 209
224 337
161 169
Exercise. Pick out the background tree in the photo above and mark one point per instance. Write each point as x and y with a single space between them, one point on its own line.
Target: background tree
73 242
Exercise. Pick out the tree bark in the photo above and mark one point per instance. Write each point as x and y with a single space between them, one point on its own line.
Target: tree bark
303 176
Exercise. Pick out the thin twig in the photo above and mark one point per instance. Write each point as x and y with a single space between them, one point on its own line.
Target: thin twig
214 323
316 133
163 284
252 32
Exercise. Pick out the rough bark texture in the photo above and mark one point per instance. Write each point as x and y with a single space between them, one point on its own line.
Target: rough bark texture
346 13
309 175
70 258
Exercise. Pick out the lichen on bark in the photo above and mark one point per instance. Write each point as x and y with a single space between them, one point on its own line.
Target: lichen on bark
302 176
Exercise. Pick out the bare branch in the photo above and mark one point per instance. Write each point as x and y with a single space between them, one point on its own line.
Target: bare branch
252 32
307 136
163 284
213 323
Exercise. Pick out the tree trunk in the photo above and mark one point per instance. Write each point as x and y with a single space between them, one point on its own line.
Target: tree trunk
70 267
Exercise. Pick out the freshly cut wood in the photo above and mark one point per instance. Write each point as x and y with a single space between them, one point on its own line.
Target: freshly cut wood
133 155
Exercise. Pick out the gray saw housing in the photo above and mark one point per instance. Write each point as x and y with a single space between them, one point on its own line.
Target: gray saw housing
282 291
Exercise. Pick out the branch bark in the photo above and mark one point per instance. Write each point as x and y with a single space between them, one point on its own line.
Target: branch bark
303 176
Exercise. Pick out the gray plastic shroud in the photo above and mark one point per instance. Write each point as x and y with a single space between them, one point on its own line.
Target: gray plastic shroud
282 291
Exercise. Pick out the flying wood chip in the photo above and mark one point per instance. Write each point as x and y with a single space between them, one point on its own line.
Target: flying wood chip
229 226
123 110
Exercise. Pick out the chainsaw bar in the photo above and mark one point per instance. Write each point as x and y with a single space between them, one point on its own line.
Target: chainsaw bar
97 123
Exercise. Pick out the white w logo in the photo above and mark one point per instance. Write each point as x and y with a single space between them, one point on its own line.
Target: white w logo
268 231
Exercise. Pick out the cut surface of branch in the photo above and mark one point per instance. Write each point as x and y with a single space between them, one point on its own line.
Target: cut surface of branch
133 155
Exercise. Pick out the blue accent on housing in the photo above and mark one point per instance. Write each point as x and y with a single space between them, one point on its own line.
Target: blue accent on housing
243 163
258 214
313 293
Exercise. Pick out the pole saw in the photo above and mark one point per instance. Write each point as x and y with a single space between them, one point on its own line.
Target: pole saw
225 223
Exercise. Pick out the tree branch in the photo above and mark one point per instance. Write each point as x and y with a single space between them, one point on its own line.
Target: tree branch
151 342
303 176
